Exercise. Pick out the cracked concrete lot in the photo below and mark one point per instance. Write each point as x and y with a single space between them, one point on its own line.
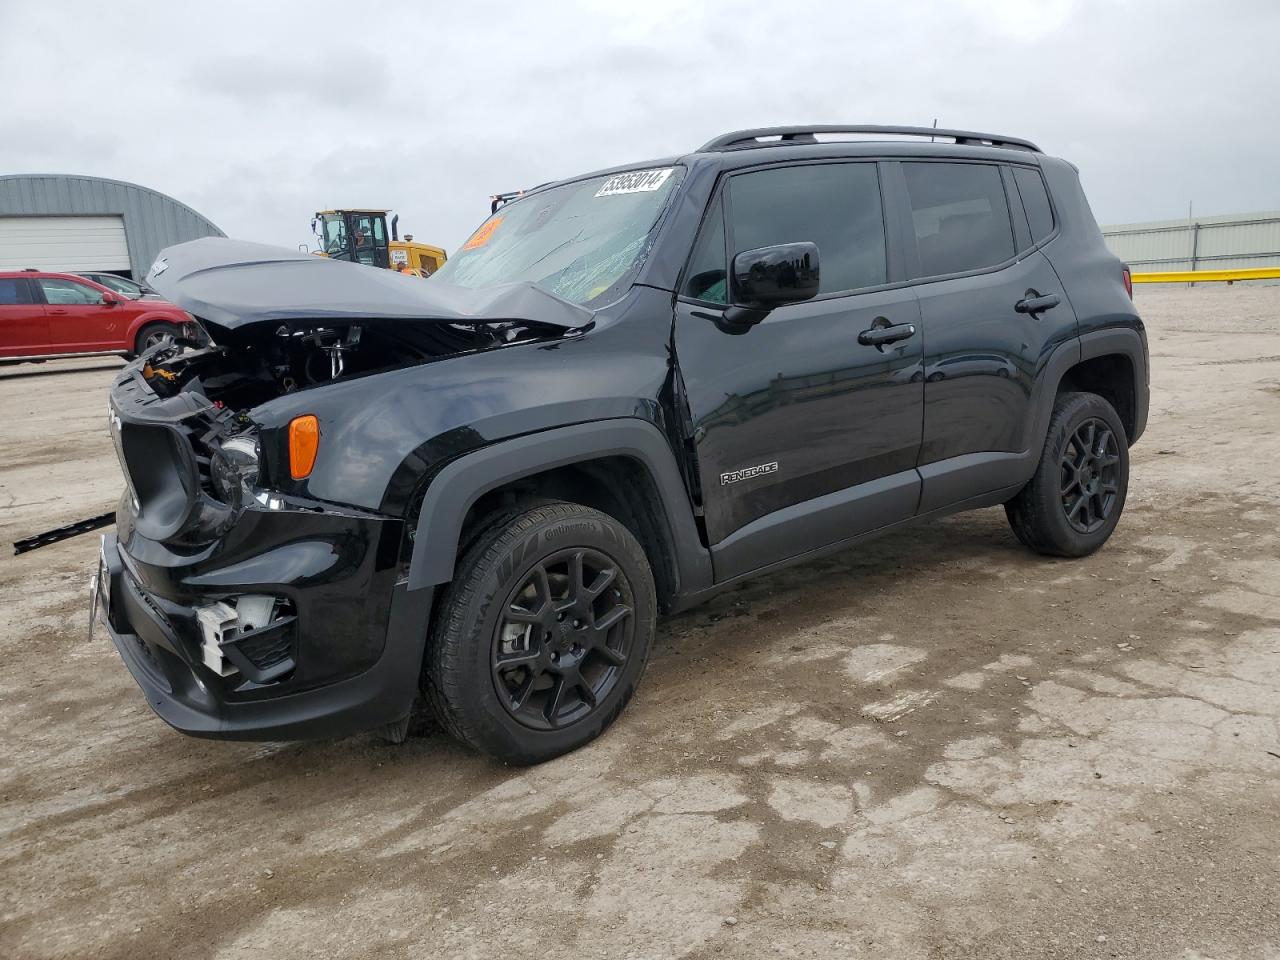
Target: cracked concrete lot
936 745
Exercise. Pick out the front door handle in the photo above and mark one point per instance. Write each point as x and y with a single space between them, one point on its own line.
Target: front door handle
1034 305
882 332
57 311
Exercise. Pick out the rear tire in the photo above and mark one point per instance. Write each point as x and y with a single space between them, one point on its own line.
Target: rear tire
543 635
1074 501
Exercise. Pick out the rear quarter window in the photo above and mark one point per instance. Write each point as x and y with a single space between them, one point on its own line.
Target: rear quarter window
1035 201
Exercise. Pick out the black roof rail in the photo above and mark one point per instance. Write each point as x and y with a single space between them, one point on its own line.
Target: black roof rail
740 139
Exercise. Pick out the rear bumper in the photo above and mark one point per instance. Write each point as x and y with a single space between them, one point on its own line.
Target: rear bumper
148 632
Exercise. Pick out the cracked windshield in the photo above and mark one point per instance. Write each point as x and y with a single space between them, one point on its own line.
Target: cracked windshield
582 241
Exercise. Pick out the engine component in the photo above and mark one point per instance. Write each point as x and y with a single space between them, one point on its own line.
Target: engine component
233 469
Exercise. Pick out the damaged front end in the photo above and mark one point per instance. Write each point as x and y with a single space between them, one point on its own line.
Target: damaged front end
244 606
233 605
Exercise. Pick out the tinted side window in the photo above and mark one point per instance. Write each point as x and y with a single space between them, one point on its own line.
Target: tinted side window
1035 200
708 272
12 292
836 206
961 216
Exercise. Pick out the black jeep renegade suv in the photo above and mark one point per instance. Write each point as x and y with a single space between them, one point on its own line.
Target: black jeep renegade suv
625 392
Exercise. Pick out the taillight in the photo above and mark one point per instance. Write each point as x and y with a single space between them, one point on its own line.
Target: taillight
304 444
1128 280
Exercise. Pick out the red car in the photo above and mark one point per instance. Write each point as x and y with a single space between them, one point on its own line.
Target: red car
45 316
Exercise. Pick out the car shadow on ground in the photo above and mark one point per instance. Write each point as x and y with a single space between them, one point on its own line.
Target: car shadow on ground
851 582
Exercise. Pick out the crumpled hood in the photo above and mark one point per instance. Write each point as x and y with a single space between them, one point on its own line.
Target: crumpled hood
234 283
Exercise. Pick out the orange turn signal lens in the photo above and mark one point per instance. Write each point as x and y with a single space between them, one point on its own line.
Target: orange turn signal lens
304 444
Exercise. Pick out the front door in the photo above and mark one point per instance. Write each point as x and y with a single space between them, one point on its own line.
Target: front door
804 436
79 322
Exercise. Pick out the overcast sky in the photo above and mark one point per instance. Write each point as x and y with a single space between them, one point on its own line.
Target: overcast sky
258 114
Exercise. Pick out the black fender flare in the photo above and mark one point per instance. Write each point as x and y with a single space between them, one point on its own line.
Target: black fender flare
1128 342
1125 341
451 493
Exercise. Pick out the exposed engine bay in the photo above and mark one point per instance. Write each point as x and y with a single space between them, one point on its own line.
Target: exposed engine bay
245 367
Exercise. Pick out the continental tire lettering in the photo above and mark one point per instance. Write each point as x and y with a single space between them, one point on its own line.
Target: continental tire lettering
566 529
516 558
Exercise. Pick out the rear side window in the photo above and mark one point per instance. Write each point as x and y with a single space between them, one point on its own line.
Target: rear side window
961 216
13 292
837 206
1035 200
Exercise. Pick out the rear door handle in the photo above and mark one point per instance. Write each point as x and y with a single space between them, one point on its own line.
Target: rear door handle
1036 304
57 311
878 336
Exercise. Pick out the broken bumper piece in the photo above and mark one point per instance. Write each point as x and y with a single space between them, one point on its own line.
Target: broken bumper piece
242 667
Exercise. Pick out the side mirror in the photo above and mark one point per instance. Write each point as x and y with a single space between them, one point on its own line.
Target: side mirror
774 276
109 299
766 278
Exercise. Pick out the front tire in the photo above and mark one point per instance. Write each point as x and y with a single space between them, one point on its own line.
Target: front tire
543 635
1074 501
154 333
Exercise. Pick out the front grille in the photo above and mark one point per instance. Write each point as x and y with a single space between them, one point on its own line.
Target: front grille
165 445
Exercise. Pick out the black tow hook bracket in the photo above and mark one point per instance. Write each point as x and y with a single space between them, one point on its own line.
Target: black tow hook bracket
64 533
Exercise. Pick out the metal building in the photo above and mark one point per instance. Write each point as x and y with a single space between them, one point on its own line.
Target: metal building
1242 240
71 223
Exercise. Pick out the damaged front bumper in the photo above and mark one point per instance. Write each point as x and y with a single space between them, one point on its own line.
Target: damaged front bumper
341 648
241 611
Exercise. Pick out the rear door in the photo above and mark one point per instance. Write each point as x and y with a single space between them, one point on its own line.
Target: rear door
79 322
24 329
981 353
804 436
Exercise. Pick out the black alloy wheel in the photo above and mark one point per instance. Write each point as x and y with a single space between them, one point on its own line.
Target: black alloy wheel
542 636
563 638
1072 503
1090 481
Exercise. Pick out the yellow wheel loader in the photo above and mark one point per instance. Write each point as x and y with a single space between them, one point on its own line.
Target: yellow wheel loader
360 236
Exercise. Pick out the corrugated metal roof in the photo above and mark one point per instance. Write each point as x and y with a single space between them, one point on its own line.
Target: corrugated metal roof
152 220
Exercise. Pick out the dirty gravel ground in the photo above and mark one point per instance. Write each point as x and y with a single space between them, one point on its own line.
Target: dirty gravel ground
937 745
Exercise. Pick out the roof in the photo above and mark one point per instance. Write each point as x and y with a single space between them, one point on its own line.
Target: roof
745 147
123 184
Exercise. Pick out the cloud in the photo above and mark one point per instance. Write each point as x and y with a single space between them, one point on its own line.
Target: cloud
259 114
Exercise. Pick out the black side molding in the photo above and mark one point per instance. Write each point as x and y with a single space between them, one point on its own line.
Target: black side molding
463 481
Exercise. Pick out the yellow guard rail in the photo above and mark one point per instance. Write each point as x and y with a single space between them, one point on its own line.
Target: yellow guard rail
1203 276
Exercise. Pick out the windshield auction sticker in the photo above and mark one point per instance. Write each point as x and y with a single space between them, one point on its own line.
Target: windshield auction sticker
481 236
637 181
